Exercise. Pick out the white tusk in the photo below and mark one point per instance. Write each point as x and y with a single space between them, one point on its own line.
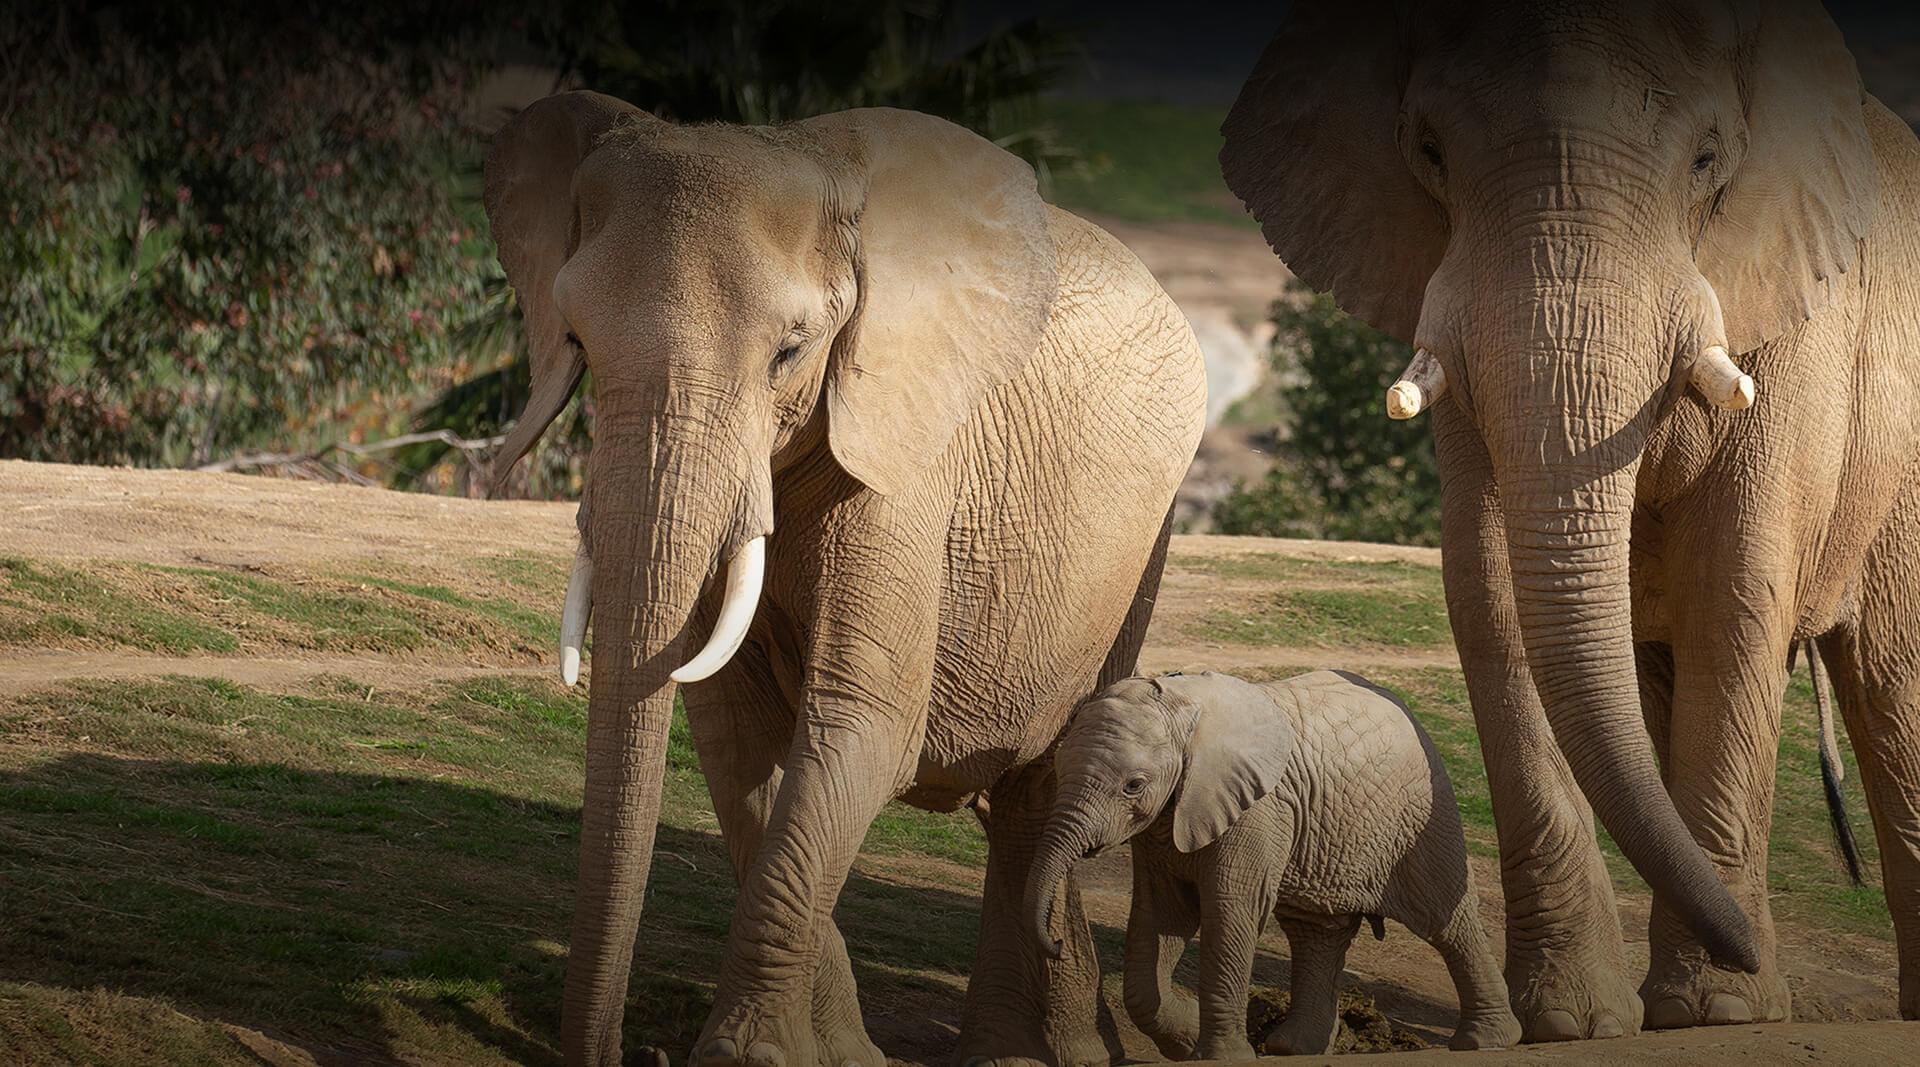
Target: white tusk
1421 385
1723 384
745 572
573 617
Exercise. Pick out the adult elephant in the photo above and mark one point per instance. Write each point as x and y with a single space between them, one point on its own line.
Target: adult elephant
1582 216
929 429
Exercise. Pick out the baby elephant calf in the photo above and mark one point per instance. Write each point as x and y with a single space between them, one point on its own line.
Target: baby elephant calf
1316 800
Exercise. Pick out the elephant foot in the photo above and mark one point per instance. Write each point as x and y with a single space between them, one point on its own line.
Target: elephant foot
1234 1049
1501 1030
743 1038
847 1046
1088 1050
1699 994
1301 1034
1562 997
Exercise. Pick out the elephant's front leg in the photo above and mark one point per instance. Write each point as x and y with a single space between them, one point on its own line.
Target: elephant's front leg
1164 917
1234 905
1021 1008
862 720
1565 967
1732 626
741 725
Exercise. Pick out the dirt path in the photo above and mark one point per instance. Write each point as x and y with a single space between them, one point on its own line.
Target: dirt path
54 511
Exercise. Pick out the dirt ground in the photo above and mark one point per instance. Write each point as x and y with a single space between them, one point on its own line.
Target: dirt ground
76 514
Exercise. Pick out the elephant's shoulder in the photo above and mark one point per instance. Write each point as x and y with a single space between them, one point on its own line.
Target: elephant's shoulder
1091 261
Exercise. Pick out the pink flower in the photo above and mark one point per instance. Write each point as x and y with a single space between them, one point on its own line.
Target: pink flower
182 194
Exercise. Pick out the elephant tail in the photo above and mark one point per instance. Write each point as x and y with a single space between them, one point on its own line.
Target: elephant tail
1832 770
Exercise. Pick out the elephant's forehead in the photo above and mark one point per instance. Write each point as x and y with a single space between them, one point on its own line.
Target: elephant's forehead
709 179
1524 63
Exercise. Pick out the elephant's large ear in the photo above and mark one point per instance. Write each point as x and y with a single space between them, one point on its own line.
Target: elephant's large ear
1311 149
529 201
1790 222
1239 749
956 281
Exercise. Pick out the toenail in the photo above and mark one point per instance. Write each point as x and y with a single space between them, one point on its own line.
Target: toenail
1607 1026
1725 1008
1668 1013
1554 1025
764 1054
721 1049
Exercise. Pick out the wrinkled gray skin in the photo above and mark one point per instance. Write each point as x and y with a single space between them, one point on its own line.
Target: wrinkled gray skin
957 415
1315 800
1569 206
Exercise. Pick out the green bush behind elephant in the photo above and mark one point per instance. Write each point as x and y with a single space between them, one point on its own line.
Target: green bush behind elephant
929 429
1661 266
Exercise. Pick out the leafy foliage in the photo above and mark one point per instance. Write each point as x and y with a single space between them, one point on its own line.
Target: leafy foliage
226 223
1345 471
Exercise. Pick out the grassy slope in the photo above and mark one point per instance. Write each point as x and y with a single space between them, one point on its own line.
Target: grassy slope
1145 162
388 874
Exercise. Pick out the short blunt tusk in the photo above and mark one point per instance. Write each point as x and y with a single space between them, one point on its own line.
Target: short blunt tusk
745 573
1723 384
1420 386
573 617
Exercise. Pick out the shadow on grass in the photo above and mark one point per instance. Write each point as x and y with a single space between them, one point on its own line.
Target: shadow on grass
371 918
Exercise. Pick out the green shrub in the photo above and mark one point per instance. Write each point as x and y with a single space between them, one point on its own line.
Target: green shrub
1344 470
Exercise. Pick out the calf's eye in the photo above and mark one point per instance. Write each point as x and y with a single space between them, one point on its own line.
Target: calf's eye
1135 786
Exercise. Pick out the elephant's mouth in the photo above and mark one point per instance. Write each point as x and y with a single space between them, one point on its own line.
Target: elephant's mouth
1093 851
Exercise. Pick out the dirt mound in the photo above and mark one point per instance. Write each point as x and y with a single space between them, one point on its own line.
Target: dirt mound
1363 1026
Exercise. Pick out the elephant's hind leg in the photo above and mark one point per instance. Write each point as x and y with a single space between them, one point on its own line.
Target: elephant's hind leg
1875 666
1021 1007
1485 1019
1319 953
741 723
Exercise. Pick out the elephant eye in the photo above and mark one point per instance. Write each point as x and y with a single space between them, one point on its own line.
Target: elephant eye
1432 152
786 355
1702 161
1135 785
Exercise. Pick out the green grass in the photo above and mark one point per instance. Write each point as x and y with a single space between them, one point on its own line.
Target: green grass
1326 604
386 875
187 610
42 603
1146 162
545 575
533 627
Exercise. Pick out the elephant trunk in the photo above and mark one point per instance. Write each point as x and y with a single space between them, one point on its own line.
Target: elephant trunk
657 529
1569 560
1569 366
1060 846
